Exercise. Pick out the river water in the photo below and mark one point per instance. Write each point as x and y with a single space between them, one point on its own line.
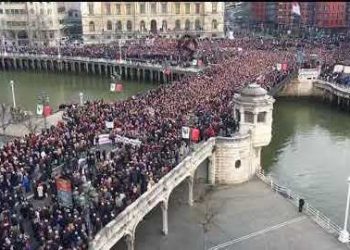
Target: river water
309 151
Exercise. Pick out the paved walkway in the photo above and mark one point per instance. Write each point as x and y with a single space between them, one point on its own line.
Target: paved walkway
244 217
20 129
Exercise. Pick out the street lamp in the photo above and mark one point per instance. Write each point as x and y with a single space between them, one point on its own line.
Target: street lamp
12 83
344 234
81 97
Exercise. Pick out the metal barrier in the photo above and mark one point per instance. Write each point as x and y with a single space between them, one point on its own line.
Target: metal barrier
293 197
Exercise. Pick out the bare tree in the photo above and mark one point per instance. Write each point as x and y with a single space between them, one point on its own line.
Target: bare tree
31 125
5 117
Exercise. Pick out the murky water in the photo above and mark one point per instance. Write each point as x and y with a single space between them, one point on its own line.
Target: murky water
309 153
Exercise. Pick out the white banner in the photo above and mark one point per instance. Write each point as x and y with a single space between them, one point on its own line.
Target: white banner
230 35
338 68
104 139
346 69
185 131
278 66
112 88
39 109
109 124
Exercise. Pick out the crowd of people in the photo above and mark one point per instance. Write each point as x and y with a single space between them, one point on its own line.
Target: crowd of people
119 177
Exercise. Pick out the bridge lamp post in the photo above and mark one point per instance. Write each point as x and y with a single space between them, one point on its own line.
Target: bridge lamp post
344 234
81 98
12 83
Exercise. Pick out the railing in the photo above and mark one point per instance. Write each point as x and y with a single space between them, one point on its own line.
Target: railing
98 60
333 86
128 219
313 213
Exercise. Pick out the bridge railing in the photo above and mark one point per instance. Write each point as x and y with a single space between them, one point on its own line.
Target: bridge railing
124 223
99 60
336 86
321 219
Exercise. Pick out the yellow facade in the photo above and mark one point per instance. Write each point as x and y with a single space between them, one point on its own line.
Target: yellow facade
105 21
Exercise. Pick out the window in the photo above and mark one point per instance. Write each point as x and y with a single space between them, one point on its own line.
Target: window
248 117
117 9
238 164
177 8
164 25
142 26
214 24
49 11
142 8
187 25
214 7
164 7
108 8
91 26
118 26
198 24
198 8
128 9
153 8
1 11
32 11
262 117
129 25
109 25
177 24
91 8
41 12
188 8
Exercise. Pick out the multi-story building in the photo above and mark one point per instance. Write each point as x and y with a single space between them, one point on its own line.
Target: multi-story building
328 15
70 19
105 21
35 23
331 15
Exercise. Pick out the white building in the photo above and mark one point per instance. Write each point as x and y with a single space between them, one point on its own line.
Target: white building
35 23
106 21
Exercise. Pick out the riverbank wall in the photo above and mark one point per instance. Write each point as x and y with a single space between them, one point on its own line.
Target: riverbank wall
127 69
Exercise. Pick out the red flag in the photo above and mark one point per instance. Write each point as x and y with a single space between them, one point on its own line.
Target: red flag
118 87
47 111
195 135
284 66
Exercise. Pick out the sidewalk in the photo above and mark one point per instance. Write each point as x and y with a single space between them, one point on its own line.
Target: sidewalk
246 216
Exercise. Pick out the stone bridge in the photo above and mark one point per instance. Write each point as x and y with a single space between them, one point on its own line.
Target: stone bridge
231 160
222 153
334 93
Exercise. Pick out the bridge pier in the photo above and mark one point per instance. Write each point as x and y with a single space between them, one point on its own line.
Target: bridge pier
130 242
164 206
190 190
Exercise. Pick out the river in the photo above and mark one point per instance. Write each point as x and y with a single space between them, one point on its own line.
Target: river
308 152
61 88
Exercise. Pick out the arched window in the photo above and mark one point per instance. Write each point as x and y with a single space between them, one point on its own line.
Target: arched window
214 24
109 25
118 26
129 25
197 24
177 24
142 26
164 25
188 25
91 26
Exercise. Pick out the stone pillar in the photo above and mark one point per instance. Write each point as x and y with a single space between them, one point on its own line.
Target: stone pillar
87 67
14 63
190 190
151 75
130 242
138 75
164 206
93 68
73 66
106 69
211 169
143 74
100 68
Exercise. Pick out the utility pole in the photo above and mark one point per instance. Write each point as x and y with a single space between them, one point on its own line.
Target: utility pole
12 83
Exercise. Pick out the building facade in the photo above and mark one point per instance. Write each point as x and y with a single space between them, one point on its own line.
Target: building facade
106 21
32 23
323 15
